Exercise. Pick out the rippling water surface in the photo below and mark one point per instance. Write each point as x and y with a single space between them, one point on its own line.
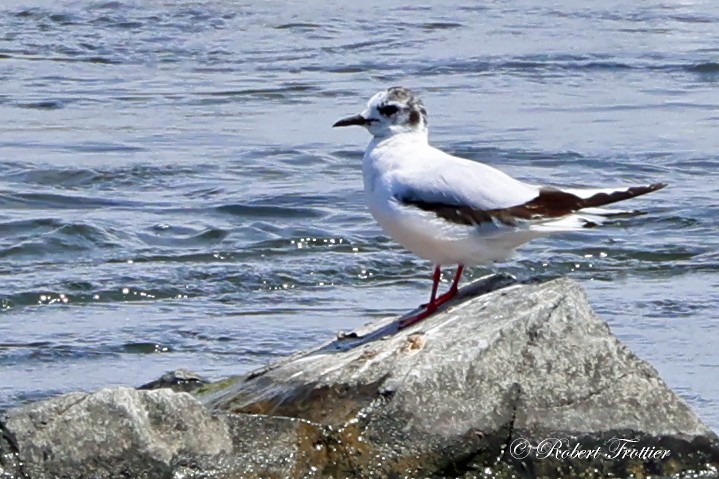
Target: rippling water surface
172 194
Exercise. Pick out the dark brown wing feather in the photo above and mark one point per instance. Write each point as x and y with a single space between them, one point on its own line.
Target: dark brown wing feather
550 203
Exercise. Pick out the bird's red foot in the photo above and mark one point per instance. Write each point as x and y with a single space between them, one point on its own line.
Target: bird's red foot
446 297
434 301
443 298
429 310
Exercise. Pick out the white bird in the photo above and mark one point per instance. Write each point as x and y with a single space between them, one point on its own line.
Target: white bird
451 210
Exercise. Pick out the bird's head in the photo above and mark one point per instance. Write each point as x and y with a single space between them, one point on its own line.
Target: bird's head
389 112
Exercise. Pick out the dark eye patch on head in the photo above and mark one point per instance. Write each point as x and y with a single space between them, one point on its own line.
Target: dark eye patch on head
388 110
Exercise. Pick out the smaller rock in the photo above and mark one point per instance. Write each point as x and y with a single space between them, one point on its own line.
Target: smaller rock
100 435
179 380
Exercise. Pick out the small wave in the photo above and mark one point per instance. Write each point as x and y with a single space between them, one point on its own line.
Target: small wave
83 294
149 176
63 19
198 257
98 147
704 67
502 155
99 178
528 64
99 60
67 177
32 344
44 351
354 46
43 105
298 26
352 154
261 211
55 201
440 25
622 256
30 13
84 147
145 348
126 25
280 92
542 64
111 5
12 229
74 59
66 237
561 63
692 19
170 237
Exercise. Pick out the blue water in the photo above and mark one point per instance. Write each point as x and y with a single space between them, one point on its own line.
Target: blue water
172 194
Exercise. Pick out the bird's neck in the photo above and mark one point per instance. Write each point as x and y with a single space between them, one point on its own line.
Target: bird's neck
419 136
387 153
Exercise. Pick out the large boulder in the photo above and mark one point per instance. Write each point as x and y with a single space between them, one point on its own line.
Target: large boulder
523 381
512 381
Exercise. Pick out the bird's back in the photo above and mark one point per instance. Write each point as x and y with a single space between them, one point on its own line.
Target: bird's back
408 166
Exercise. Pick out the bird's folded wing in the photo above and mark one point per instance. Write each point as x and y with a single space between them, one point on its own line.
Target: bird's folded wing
454 181
545 204
548 204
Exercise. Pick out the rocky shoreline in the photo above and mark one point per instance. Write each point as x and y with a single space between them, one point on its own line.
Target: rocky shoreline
509 380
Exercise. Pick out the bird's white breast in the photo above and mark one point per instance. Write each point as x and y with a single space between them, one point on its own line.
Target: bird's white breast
423 233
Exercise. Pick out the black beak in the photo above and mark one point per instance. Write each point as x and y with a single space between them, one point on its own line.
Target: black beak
352 120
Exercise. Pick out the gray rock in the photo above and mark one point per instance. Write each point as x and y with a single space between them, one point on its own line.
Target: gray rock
452 394
461 394
111 433
179 380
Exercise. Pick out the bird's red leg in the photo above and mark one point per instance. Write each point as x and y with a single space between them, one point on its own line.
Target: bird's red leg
452 289
435 285
430 307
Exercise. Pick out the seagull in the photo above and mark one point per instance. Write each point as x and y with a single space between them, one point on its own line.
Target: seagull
451 210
